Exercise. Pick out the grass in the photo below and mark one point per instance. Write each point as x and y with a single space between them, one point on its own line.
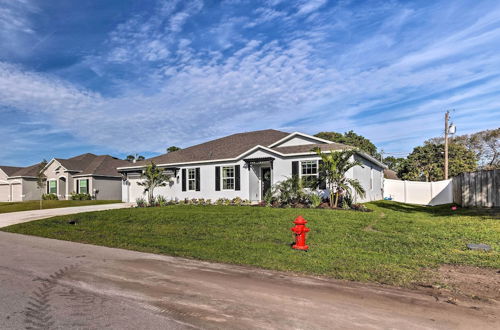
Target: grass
392 245
35 205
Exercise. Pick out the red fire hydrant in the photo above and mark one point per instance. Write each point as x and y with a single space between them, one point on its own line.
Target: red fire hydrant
300 231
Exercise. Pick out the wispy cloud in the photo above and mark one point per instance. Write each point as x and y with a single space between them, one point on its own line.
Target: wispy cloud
177 77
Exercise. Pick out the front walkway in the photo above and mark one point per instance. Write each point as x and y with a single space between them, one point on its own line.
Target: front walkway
12 218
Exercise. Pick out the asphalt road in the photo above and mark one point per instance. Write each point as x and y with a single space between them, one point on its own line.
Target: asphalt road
50 284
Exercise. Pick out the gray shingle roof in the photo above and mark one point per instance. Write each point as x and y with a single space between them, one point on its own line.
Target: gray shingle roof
90 164
9 170
224 148
29 171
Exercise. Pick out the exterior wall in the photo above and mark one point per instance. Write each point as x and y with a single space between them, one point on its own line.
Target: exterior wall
297 141
4 187
365 174
16 192
109 188
55 171
30 190
250 180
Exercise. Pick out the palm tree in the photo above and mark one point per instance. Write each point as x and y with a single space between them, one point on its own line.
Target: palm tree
333 170
153 177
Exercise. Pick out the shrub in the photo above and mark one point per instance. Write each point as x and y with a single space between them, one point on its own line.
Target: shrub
161 200
314 199
193 201
237 201
246 202
50 197
201 201
208 201
80 197
141 202
223 201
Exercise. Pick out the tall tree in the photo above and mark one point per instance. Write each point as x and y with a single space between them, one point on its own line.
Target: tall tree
153 177
41 180
132 158
485 145
394 163
352 139
333 170
426 163
172 149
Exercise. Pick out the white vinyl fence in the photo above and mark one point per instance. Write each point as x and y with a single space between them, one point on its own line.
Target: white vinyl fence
416 192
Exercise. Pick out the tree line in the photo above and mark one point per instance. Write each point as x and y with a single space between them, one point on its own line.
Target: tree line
467 153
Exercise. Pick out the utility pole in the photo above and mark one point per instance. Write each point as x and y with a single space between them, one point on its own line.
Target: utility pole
446 128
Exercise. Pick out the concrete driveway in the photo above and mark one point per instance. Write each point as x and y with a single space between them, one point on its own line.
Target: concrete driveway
12 218
51 284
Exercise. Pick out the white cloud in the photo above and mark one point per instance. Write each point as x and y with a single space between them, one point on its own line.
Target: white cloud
309 6
220 80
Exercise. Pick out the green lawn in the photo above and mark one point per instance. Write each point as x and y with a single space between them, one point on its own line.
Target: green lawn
35 205
395 244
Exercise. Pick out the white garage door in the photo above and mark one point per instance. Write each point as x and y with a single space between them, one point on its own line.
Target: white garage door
17 191
4 192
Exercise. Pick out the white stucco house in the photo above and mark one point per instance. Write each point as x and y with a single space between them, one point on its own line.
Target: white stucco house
245 165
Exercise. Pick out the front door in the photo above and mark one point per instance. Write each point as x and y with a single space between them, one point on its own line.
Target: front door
265 179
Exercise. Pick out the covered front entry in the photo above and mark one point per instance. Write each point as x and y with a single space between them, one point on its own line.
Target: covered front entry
260 177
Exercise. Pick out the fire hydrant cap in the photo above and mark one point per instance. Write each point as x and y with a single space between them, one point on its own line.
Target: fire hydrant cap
300 220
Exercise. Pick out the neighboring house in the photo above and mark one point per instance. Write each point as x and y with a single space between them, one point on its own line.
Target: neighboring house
18 184
245 165
85 174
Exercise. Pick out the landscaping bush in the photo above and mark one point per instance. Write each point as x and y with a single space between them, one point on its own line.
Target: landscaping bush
50 197
141 202
237 201
315 199
80 197
161 200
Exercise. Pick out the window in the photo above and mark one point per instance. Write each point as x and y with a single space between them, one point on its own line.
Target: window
228 178
52 187
309 170
192 179
83 186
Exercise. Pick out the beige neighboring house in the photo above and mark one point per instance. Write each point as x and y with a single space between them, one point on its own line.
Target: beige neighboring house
18 184
85 174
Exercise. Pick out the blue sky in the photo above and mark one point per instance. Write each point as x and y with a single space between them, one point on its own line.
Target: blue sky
122 76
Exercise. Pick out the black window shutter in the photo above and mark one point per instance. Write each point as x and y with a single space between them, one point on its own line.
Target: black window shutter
77 186
295 168
237 177
198 179
217 178
88 186
183 179
322 179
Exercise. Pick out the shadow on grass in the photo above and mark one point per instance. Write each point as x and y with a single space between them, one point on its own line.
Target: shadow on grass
438 211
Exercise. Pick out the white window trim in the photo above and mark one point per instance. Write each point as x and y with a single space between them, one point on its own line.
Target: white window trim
78 186
233 177
309 160
57 186
188 179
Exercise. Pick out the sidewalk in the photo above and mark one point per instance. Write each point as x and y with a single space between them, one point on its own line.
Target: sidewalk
12 218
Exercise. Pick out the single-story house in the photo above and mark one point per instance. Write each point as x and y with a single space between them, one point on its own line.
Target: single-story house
85 174
246 165
19 184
